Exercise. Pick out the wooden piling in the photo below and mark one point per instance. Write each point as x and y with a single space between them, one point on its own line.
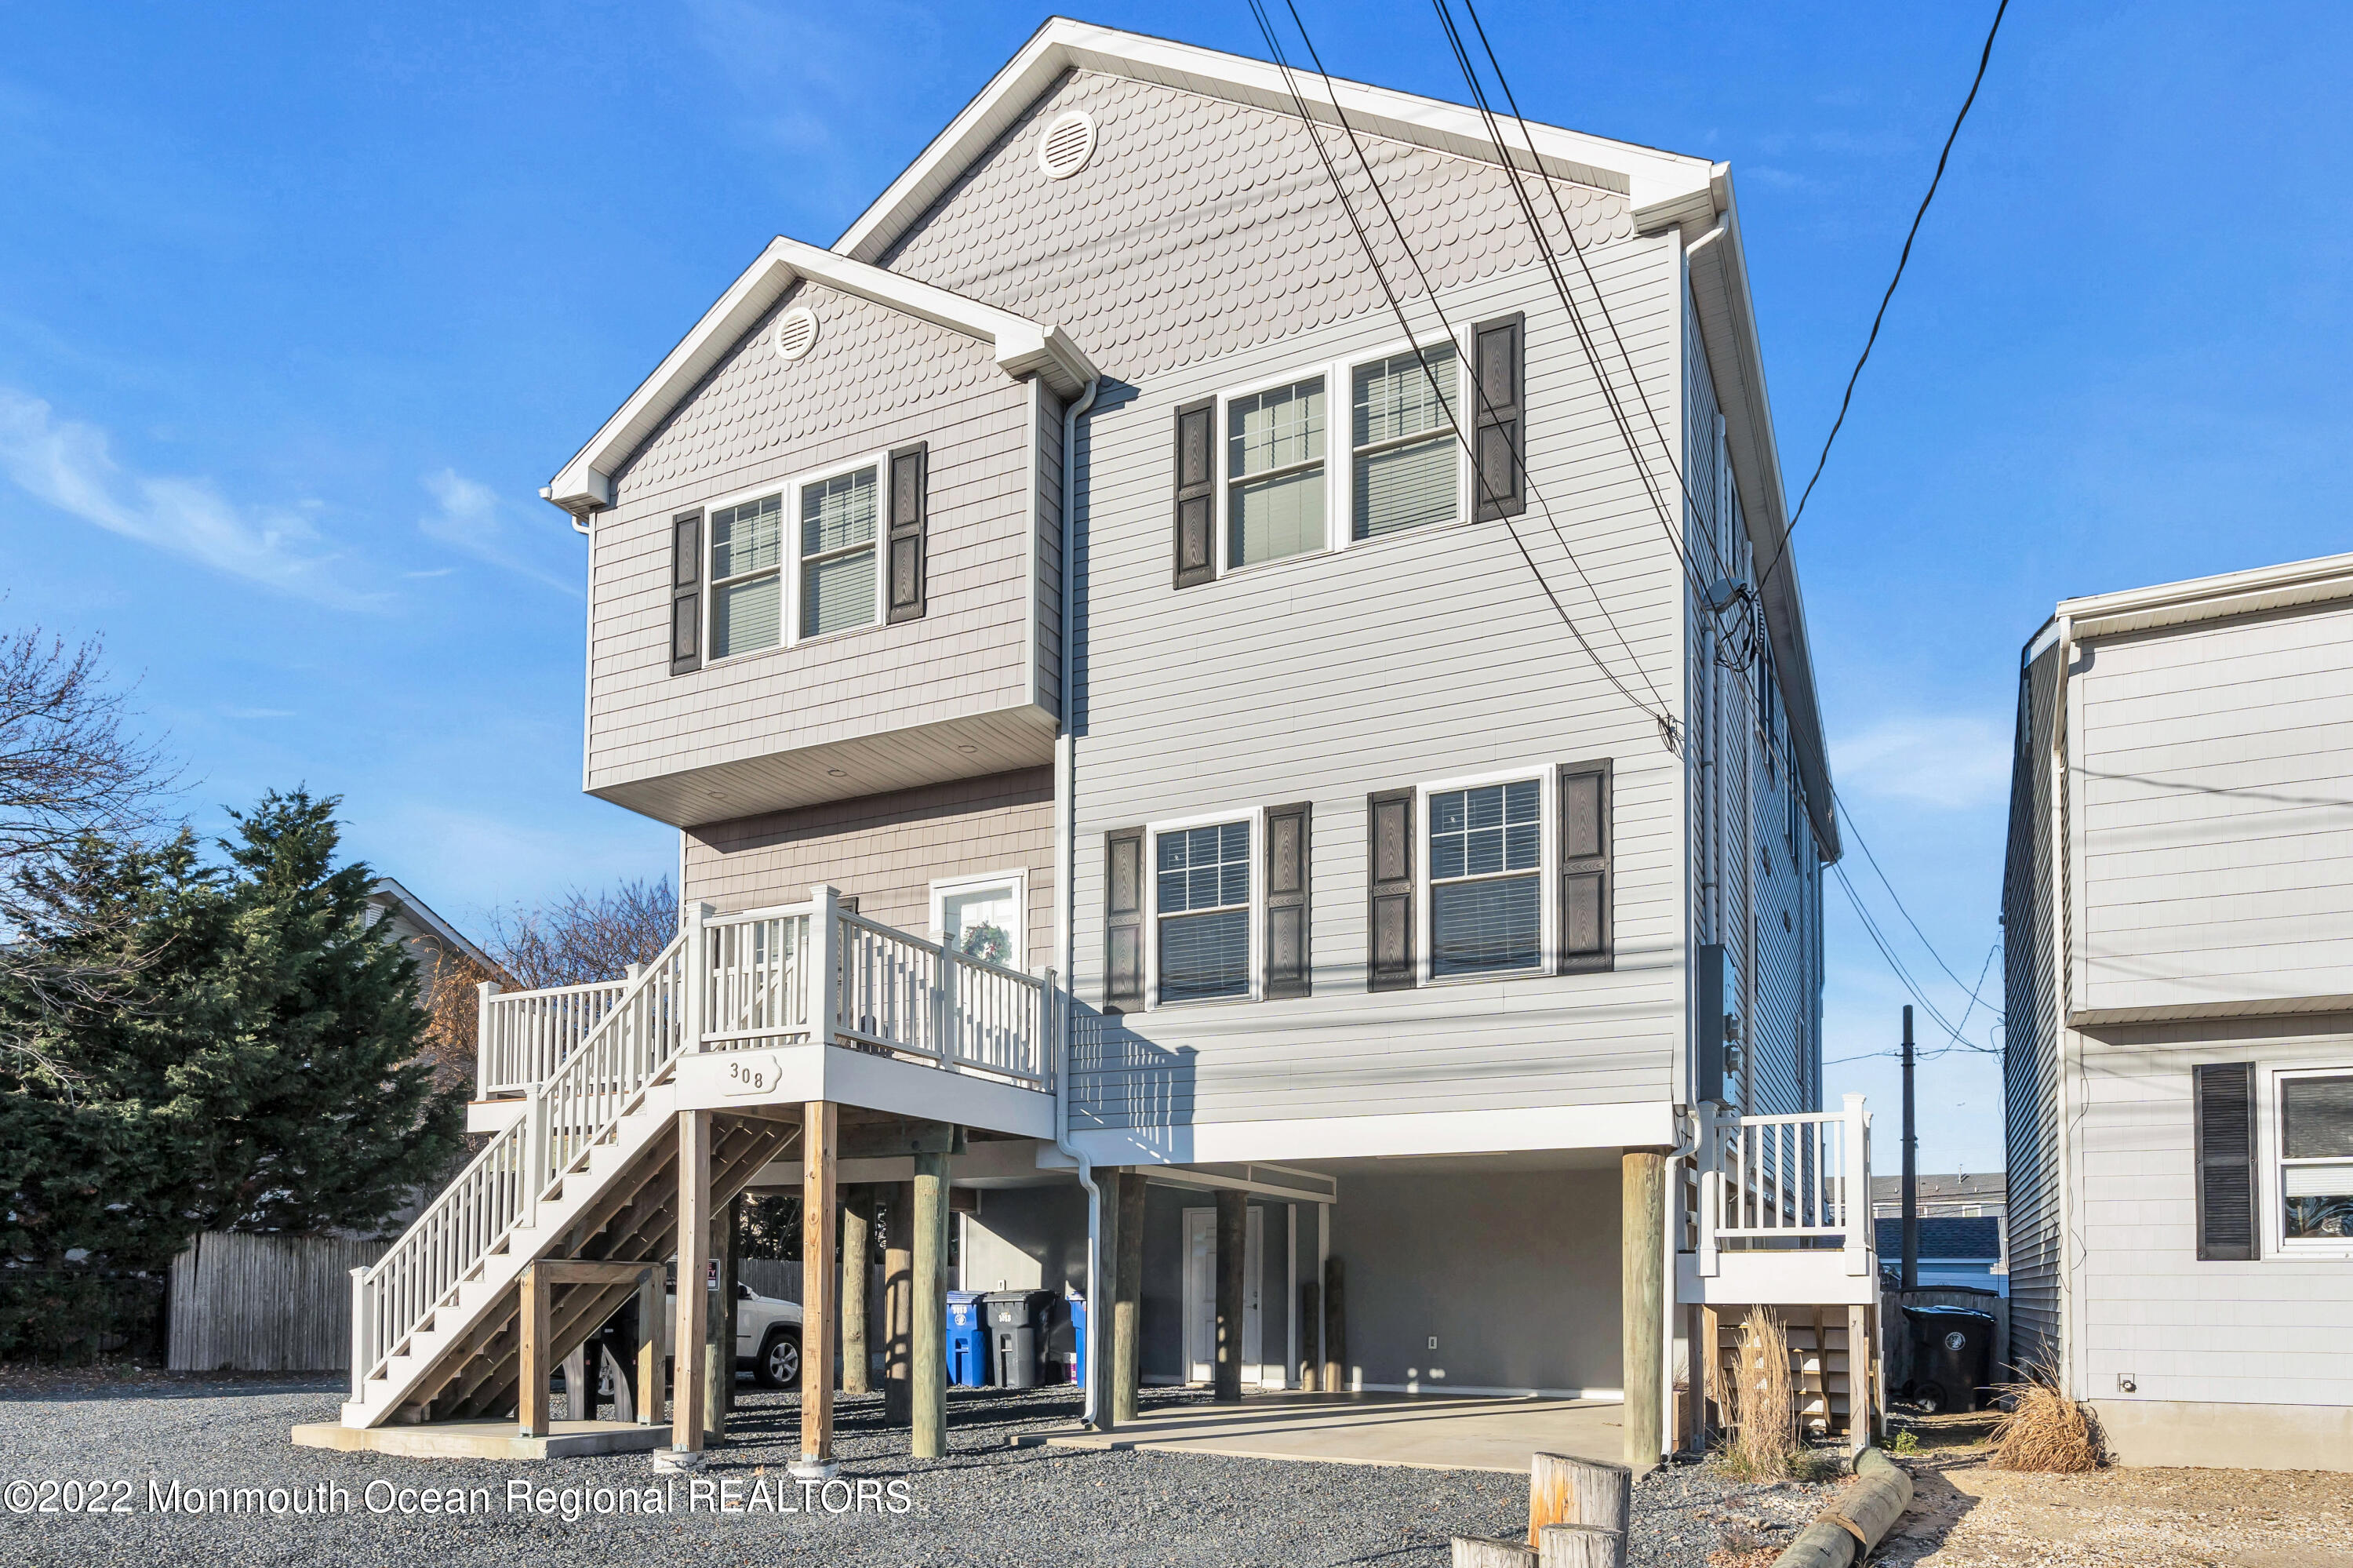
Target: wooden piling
1335 1327
1127 1299
531 1404
1643 1306
928 1342
857 1268
898 1306
719 1353
687 1339
820 1281
1563 1489
1581 1546
1233 1236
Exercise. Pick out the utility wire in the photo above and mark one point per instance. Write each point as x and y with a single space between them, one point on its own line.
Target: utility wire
1984 57
1660 714
1840 806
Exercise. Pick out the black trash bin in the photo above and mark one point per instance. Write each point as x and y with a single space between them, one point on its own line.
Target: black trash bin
1952 1357
1016 1328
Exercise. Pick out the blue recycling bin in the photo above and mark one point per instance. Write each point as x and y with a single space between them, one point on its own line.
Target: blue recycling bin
1079 1341
967 1340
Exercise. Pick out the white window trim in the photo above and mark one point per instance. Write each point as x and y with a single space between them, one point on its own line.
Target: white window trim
1339 450
1547 776
788 571
2276 1246
1256 817
947 887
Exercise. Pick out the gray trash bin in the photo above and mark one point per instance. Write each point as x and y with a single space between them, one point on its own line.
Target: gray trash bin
1017 1324
1952 1356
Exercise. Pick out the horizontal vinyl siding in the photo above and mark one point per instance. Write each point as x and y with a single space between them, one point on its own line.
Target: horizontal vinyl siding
2216 858
876 380
2030 1033
1422 656
2262 1333
887 849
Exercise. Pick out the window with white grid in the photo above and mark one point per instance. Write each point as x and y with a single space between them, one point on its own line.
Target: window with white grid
1486 879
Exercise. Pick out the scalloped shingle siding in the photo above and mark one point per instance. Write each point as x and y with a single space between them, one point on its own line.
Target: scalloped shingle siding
1206 262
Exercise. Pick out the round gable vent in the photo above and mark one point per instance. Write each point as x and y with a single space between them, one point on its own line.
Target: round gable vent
1068 143
796 332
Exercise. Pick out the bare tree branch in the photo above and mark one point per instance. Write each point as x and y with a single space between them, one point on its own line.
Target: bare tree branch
584 936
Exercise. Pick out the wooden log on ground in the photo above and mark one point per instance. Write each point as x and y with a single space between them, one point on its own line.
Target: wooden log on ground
1566 1490
1883 1490
1478 1551
1581 1546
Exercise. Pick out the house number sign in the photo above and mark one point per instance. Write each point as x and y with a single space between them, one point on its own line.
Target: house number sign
751 1075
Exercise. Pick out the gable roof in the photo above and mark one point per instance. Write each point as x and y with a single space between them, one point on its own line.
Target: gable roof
392 898
1022 348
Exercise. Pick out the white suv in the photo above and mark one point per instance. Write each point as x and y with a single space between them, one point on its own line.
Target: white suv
767 1335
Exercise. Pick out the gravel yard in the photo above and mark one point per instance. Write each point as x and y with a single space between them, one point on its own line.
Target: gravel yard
986 1503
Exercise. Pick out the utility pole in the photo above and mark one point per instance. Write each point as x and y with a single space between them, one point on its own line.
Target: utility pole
1911 1277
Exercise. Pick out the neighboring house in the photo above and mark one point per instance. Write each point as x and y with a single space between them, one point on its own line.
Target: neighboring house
431 941
1965 1195
1953 1250
1077 566
2180 1059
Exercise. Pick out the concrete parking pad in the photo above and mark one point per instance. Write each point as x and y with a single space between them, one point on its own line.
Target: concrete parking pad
1418 1431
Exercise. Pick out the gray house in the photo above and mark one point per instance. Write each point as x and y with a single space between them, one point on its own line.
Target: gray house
2180 1061
1289 774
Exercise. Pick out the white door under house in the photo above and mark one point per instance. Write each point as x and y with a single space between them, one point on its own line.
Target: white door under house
1201 1300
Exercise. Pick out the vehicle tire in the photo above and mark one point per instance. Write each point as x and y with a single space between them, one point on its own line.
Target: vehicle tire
1929 1397
779 1363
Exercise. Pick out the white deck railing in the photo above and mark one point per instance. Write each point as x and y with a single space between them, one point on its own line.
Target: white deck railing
1802 1178
726 982
524 1035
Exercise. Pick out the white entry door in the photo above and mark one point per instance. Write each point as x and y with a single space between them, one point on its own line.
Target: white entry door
1201 1297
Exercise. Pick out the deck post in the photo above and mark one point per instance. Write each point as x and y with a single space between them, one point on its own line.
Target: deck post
928 1374
482 994
898 1306
856 1270
687 1339
1336 1325
718 1351
820 1274
825 1018
1127 1299
1233 1233
531 1312
359 1332
650 1348
1643 1193
1854 1188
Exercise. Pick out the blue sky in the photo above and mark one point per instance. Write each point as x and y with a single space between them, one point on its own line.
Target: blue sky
300 305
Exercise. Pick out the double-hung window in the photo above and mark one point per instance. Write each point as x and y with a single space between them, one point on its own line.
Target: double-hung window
1275 474
1201 905
747 577
1486 879
837 568
2316 1160
1408 472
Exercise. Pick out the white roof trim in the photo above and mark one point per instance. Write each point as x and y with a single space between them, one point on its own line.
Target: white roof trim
1646 175
386 889
2319 581
1023 347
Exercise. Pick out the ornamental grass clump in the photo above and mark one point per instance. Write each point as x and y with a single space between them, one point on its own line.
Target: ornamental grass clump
1763 1410
2044 1429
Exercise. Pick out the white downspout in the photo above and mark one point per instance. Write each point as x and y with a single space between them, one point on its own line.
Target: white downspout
1067 852
2065 1197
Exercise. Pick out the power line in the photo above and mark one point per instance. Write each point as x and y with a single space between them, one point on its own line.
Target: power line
1984 56
1660 716
1839 805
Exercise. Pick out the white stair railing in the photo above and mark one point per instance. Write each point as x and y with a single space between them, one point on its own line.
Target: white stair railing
1767 1178
597 1083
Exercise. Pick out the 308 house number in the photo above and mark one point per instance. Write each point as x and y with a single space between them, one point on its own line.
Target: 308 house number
751 1078
70 1497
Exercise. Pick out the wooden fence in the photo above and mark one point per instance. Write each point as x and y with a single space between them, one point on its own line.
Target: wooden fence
770 1277
265 1303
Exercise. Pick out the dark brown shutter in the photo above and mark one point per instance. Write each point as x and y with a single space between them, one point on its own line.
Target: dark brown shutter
1393 967
1500 446
1288 972
907 509
2224 1111
1196 493
1124 921
685 592
1585 866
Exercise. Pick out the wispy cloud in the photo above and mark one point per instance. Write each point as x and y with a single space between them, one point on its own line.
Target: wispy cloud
70 465
1951 761
258 712
473 518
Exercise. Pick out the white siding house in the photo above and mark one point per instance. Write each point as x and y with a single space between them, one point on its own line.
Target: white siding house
2180 1003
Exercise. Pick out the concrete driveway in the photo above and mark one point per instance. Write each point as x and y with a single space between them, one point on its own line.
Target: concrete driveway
1421 1431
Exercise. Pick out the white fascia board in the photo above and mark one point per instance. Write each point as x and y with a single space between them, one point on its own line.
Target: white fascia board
1639 1125
2322 580
1727 320
1023 347
384 887
1646 175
